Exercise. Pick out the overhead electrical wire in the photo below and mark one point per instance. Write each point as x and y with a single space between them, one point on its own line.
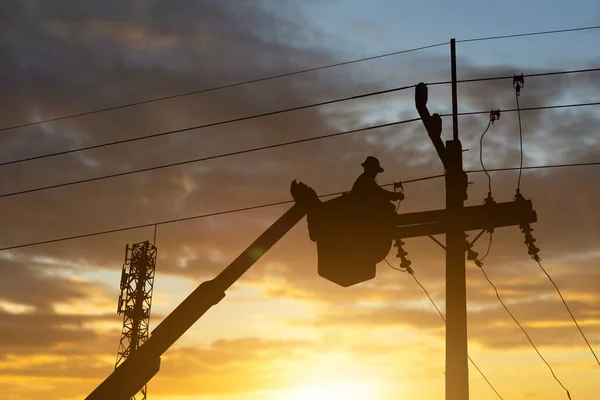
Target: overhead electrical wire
209 125
200 216
256 80
487 252
595 103
261 115
481 157
583 164
76 182
444 319
568 310
584 28
532 75
213 214
233 153
230 85
524 332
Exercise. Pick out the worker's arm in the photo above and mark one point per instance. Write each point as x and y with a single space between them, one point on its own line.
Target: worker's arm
386 194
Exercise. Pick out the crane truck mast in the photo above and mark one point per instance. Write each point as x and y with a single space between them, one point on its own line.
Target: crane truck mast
144 363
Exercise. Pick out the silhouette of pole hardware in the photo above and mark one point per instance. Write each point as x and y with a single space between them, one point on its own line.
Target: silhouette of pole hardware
494 115
342 264
454 221
518 83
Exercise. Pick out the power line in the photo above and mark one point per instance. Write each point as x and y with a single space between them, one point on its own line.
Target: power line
241 83
268 147
583 164
532 75
528 34
523 330
171 221
568 309
444 319
529 108
200 216
213 124
275 204
100 110
233 153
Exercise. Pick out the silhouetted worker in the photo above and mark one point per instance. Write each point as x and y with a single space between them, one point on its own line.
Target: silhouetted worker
366 187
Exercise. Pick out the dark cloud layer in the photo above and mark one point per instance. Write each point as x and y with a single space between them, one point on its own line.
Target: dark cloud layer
59 59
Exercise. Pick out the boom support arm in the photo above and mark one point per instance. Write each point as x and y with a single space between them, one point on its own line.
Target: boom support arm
144 363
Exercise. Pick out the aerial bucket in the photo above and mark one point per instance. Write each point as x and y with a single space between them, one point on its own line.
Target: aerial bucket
351 239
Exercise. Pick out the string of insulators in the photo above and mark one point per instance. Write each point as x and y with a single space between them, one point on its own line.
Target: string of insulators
472 254
532 249
404 262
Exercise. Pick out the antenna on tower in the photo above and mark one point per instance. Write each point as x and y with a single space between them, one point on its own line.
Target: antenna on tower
135 300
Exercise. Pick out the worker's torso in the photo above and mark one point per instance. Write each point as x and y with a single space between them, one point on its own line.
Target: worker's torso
365 185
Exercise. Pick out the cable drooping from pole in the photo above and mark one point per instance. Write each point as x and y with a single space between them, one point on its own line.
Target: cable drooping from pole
487 252
568 309
481 158
494 115
524 332
411 273
518 83
200 216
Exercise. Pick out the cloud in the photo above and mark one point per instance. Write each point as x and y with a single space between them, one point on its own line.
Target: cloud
61 60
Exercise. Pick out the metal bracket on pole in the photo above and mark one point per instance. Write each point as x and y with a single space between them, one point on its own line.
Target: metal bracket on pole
433 123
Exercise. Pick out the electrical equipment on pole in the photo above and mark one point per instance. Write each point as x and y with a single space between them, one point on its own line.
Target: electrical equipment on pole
351 239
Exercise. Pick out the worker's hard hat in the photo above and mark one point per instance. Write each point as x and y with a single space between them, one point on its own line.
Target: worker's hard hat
371 163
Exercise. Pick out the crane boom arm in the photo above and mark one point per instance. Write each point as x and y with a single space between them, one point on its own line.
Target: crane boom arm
144 363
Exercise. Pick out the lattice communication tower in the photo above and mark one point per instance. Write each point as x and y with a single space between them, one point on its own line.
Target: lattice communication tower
135 300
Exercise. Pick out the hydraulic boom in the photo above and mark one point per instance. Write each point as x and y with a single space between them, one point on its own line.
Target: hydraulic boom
144 363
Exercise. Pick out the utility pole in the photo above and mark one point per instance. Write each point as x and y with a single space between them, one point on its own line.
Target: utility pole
457 373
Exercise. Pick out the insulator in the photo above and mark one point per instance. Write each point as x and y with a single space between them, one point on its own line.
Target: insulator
405 263
518 83
533 250
494 115
472 255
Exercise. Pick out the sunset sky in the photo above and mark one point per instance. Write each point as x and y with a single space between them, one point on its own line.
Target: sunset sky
283 332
